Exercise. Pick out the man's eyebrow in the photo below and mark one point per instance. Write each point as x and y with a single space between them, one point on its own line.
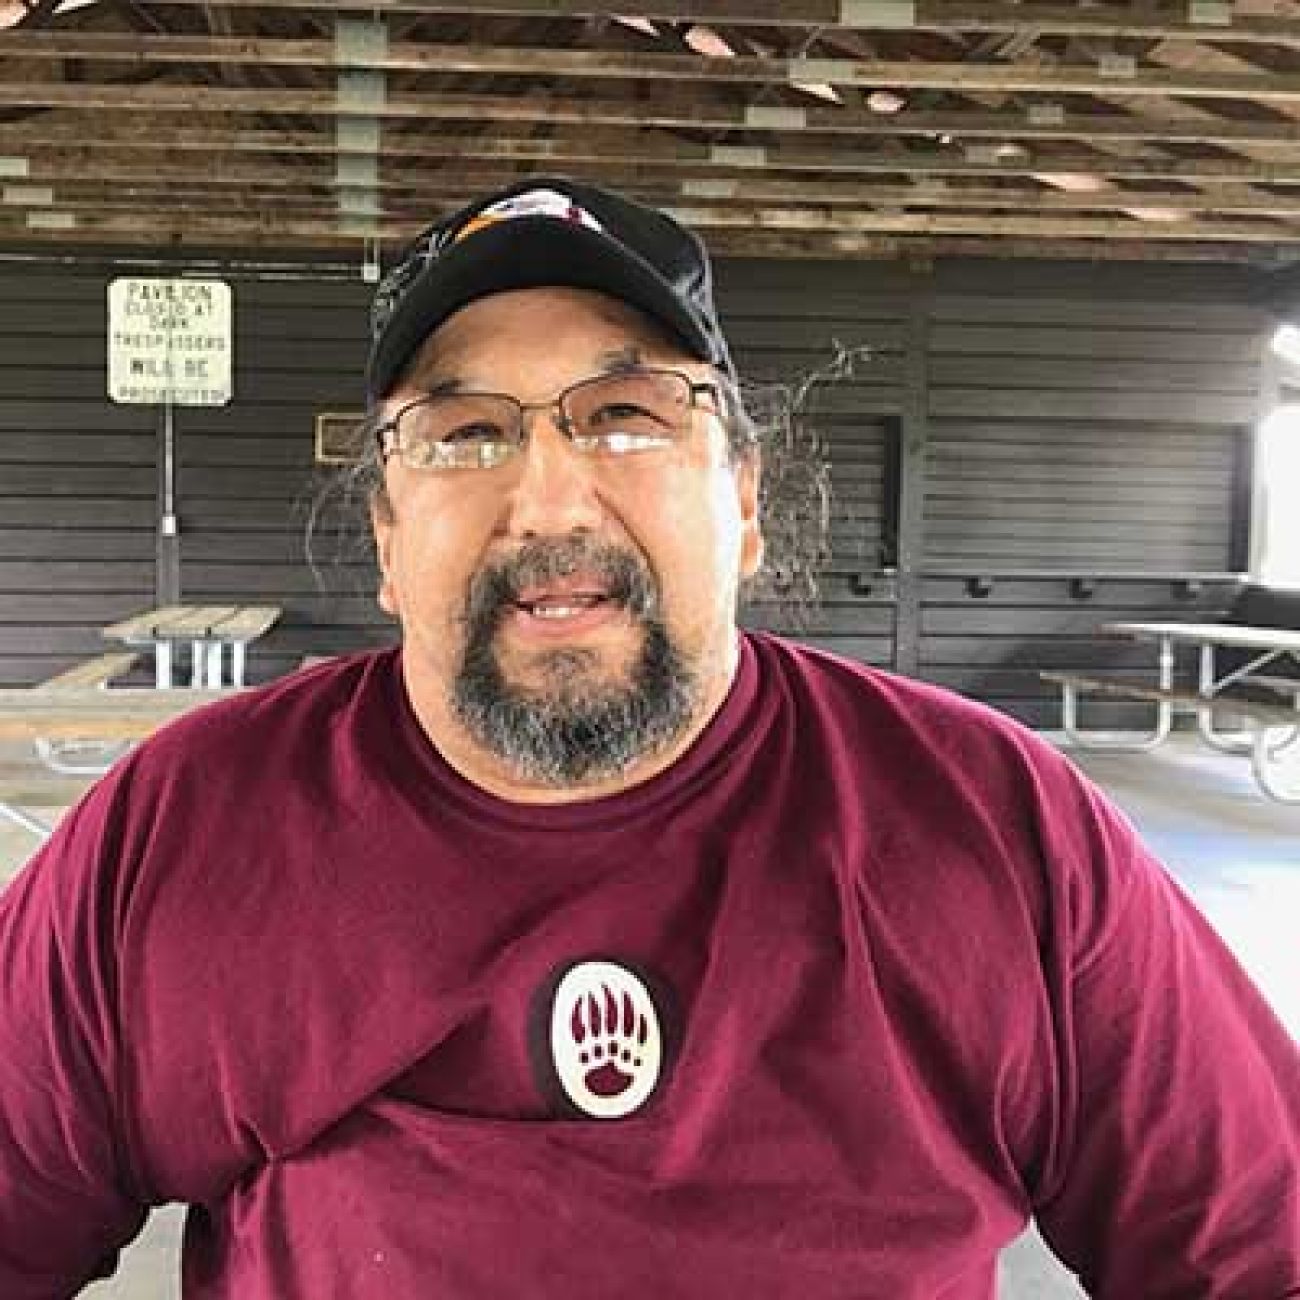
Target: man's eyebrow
624 358
443 387
628 357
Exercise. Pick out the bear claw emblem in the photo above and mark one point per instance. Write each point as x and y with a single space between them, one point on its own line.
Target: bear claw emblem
606 1042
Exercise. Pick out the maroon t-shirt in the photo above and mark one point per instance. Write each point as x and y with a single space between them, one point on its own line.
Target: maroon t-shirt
827 1009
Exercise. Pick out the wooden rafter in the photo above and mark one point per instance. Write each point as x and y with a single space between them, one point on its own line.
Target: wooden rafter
659 110
800 127
1020 78
717 160
1112 20
401 193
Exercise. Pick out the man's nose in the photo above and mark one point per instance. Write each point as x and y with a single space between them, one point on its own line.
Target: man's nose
554 492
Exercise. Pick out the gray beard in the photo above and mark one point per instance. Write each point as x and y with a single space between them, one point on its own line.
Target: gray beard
574 729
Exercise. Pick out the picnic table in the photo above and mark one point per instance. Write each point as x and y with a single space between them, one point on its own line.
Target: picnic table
76 732
1256 693
207 629
77 725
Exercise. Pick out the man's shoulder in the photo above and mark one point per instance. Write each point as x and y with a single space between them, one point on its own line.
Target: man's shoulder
891 720
279 718
820 670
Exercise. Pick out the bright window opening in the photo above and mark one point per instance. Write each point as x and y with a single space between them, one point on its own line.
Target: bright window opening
1279 469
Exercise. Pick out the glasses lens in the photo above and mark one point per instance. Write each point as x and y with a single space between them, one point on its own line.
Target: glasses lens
470 431
637 411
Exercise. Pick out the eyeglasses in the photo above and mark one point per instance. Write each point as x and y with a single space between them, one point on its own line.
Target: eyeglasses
607 417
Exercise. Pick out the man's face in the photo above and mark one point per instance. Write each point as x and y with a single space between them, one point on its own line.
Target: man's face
564 616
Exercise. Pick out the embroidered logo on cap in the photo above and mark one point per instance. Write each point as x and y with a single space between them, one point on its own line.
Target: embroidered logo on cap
606 1040
531 203
433 243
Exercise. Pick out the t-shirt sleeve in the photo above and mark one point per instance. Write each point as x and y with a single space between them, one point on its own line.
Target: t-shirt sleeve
67 1200
1180 1176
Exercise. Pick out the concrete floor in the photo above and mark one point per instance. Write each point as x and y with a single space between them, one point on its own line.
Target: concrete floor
1237 853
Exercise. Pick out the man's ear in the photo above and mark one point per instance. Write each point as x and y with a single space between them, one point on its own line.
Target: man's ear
748 477
382 525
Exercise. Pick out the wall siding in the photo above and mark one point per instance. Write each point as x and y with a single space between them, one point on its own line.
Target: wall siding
1005 429
77 477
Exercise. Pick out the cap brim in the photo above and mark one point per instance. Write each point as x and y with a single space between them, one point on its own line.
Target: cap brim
528 253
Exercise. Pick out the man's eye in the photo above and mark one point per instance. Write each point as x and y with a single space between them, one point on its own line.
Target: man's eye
478 432
624 412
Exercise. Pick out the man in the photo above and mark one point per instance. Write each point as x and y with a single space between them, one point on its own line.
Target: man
587 947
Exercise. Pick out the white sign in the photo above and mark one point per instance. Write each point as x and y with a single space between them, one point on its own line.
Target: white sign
169 341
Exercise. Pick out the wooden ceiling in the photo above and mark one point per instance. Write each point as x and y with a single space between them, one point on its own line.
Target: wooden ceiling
871 128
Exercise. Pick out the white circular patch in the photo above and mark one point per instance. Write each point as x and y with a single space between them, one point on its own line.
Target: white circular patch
606 1040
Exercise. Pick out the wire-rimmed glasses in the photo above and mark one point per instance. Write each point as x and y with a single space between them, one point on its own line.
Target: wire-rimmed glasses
612 416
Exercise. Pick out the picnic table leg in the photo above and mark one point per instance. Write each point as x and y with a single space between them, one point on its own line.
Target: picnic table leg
26 821
1117 741
214 665
162 665
1277 777
1112 740
1239 742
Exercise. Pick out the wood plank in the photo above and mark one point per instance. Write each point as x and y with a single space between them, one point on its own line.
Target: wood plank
74 575
88 713
928 15
93 672
696 111
406 195
1227 633
140 625
31 787
246 624
80 480
1055 296
429 57
192 622
148 163
1079 509
1011 371
1094 344
35 543
1085 404
1272 715
846 234
270 237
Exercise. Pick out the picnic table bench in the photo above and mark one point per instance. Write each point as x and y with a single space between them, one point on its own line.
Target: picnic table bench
95 672
76 713
1267 703
92 713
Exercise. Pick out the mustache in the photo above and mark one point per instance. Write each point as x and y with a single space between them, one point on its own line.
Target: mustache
623 576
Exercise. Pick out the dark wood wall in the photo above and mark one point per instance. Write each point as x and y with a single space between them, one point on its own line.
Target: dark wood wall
1025 452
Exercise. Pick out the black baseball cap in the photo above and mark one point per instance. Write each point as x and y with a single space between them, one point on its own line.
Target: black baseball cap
545 231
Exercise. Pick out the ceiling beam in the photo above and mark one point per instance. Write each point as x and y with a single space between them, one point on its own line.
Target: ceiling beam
706 219
160 155
404 195
710 219
659 111
136 242
1115 20
548 63
161 158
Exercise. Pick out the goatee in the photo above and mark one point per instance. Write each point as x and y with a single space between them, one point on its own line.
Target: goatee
576 728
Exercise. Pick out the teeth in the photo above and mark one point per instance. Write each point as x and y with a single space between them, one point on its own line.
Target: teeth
558 611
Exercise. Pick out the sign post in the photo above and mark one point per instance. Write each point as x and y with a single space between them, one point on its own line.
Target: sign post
169 344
